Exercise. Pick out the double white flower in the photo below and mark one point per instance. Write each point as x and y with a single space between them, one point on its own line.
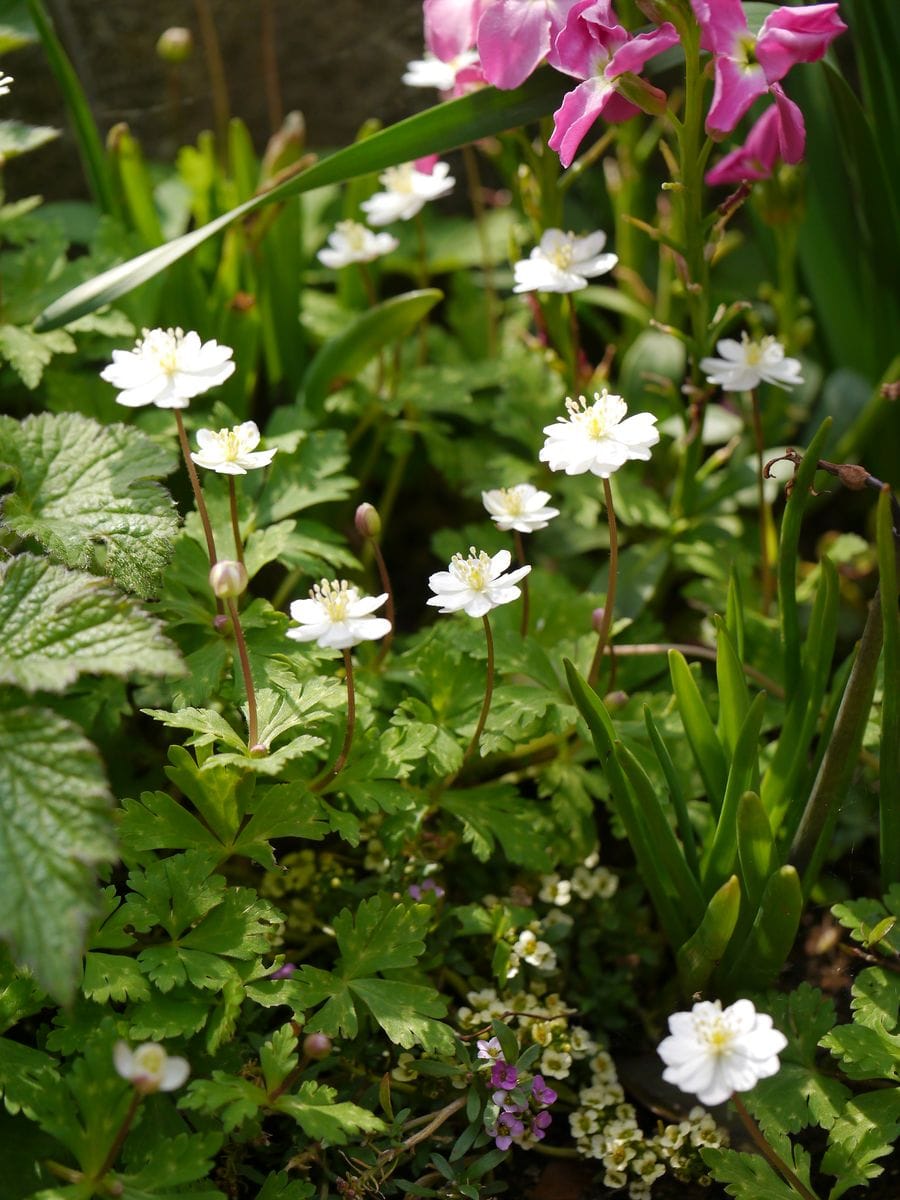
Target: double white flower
337 617
231 451
353 242
476 584
746 364
407 191
167 367
562 262
521 508
597 437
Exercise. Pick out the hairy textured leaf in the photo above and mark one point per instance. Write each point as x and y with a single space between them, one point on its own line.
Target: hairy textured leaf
55 828
57 624
79 484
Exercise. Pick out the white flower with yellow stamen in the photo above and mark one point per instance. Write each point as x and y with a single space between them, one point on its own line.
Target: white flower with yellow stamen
522 508
231 451
407 191
597 437
167 367
747 363
476 584
337 617
352 242
150 1068
562 262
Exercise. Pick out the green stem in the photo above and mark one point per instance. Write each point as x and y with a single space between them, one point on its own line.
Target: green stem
212 52
488 692
197 490
340 762
769 1153
765 517
526 597
235 522
606 622
240 642
389 606
268 45
119 1140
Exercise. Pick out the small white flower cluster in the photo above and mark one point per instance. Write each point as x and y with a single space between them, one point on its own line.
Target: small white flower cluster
605 1127
587 881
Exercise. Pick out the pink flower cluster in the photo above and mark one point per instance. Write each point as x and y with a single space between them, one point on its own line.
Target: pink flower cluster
517 1112
584 39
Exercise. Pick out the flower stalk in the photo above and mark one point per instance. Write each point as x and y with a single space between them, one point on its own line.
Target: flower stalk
488 692
341 761
197 490
526 597
765 516
241 643
235 521
606 620
121 1134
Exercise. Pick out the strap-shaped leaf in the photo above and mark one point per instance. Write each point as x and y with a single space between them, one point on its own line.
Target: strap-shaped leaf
734 698
701 734
676 793
455 123
756 848
769 942
722 855
700 954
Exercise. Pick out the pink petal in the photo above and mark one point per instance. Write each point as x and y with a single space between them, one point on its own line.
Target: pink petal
736 89
791 128
450 26
721 22
588 33
796 35
513 37
579 110
636 53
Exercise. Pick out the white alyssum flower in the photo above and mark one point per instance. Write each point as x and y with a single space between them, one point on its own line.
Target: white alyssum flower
597 437
167 367
353 242
406 192
337 617
476 584
231 451
555 890
556 1063
713 1052
5 81
563 262
150 1068
745 364
433 72
522 508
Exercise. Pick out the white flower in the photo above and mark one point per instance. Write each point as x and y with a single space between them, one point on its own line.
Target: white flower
556 1063
149 1068
596 438
433 72
713 1052
407 190
352 242
167 367
475 584
5 81
522 508
562 262
337 617
555 890
745 364
231 451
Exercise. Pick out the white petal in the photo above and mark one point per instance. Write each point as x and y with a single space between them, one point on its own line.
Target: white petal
175 1074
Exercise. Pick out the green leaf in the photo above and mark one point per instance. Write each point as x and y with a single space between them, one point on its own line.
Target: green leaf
889 751
700 954
770 939
18 138
747 1176
344 356
481 114
870 1047
55 828
78 484
495 813
57 624
234 1101
734 697
321 1117
865 1131
30 353
698 727
722 853
174 1161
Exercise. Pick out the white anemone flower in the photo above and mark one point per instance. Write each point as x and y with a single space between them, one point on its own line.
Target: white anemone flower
522 508
353 242
231 451
337 617
713 1052
476 584
597 438
433 72
746 364
6 80
167 367
150 1068
562 262
407 191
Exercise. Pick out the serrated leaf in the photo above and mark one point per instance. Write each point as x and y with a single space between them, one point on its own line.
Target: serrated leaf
866 1131
498 813
114 977
79 484
747 1176
314 1109
178 1013
406 1012
55 828
234 1100
29 353
870 1047
176 1161
57 624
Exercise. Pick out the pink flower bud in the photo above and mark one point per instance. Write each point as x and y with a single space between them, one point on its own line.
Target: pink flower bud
367 521
597 619
228 579
316 1046
614 700
221 623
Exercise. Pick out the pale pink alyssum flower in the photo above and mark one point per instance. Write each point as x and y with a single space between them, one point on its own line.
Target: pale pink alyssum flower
747 65
231 451
353 242
337 617
167 367
745 364
476 584
779 135
521 508
407 190
563 262
713 1052
149 1068
597 437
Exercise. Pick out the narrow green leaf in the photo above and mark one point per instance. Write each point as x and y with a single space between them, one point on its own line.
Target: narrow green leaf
700 954
444 127
756 848
734 613
774 929
744 764
126 157
676 793
344 356
734 696
701 734
889 775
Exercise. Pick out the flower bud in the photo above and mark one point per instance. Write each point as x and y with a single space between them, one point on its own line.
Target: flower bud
614 700
316 1046
367 521
175 45
228 579
222 623
597 618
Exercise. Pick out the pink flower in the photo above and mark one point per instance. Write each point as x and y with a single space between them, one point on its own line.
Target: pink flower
506 1129
746 66
541 1092
594 47
450 26
513 36
504 1075
778 136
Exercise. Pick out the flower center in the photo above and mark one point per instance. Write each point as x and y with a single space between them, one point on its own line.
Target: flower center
474 571
151 1060
511 499
162 346
399 179
335 597
354 233
745 52
716 1034
597 419
562 256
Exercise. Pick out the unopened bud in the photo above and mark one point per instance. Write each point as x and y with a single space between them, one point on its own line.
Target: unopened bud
316 1046
228 579
614 700
175 45
597 619
367 521
221 623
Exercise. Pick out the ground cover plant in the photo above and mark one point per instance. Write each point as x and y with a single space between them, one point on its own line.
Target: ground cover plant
450 636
